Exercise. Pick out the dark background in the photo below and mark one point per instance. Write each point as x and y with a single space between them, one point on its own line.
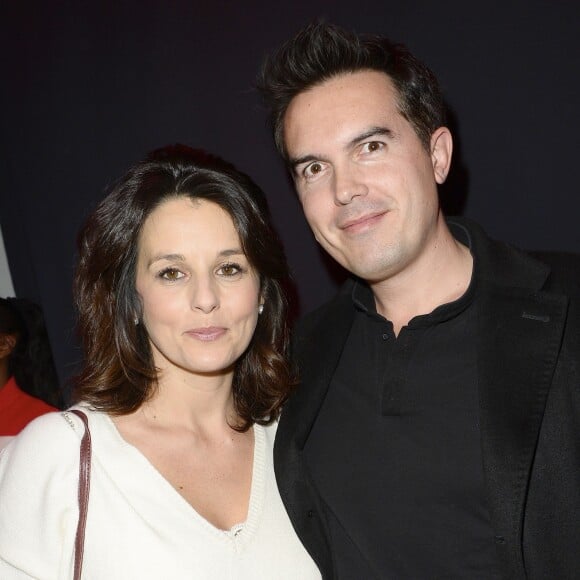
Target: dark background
89 87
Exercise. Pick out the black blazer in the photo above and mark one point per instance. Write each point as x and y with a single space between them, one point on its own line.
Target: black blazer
529 397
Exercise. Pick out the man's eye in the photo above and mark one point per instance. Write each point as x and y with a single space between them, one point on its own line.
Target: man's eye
171 274
372 146
313 169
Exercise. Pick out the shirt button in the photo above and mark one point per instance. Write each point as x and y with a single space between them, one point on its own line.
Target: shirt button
310 513
385 336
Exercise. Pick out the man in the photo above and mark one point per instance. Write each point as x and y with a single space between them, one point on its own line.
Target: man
435 431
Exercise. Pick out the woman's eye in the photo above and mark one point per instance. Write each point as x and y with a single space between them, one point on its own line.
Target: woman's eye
229 270
171 274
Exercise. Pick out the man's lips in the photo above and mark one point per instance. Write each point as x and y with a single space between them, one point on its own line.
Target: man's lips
360 222
206 333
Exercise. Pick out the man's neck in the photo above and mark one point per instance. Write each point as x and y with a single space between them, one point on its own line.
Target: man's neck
441 275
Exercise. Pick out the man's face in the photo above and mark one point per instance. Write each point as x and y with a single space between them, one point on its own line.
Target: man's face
366 182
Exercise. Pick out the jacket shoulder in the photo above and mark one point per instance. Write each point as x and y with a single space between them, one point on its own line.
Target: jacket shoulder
564 270
310 325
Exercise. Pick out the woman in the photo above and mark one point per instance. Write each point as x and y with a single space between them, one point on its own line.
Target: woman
182 318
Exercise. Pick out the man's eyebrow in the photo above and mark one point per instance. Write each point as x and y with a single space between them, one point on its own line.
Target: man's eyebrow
293 163
377 131
371 132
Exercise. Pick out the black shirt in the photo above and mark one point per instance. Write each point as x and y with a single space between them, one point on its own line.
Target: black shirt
395 451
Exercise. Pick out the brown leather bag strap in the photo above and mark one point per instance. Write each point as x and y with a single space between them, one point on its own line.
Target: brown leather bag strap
84 488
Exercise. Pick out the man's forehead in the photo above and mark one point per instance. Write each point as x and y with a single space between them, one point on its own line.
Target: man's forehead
349 104
364 81
370 88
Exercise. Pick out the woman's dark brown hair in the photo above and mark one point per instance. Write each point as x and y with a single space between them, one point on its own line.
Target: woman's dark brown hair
118 374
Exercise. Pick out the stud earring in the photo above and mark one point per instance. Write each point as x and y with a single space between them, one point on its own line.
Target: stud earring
136 321
260 309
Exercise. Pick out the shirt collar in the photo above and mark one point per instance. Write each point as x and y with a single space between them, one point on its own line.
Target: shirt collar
364 300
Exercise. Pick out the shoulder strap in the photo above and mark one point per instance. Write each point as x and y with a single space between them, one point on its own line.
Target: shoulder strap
83 496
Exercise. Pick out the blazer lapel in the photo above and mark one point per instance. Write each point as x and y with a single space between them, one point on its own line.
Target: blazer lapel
520 332
520 335
318 355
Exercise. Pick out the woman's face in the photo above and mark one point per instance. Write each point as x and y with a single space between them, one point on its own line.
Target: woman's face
199 293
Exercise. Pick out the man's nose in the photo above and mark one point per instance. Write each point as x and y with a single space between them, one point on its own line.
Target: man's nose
348 184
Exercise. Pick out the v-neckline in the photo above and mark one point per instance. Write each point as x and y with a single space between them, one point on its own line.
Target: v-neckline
257 488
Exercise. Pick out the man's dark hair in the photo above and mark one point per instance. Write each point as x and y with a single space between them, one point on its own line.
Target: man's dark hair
321 51
119 374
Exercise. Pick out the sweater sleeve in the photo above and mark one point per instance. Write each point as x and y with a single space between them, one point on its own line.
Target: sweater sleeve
38 500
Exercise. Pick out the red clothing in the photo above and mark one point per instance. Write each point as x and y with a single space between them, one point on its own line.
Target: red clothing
18 408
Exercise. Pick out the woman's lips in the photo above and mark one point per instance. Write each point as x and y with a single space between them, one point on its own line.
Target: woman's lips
207 333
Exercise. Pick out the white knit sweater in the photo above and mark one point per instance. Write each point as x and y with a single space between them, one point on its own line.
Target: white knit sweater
138 526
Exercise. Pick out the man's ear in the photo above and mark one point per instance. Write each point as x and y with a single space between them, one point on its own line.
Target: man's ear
441 152
7 344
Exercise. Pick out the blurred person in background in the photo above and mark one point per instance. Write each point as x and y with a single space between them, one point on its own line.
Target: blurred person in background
28 380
